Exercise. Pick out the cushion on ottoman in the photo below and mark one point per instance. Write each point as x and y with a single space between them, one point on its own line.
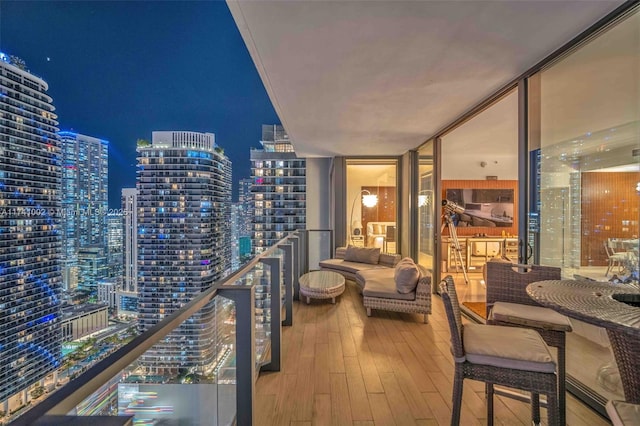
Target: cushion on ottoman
380 283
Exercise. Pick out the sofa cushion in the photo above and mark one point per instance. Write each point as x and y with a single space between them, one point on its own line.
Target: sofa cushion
406 276
380 283
389 260
363 255
508 347
340 252
346 266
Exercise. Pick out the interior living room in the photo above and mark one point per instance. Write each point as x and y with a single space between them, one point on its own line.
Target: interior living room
372 185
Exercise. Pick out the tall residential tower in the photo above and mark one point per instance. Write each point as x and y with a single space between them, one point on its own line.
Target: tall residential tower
278 189
85 178
130 236
184 197
30 184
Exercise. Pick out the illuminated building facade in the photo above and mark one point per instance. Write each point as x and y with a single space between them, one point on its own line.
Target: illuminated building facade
130 260
115 244
184 197
85 178
30 248
278 189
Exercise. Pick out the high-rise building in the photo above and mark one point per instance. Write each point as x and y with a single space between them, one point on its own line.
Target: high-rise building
85 177
184 196
92 267
236 214
115 245
278 190
244 190
30 245
245 200
130 261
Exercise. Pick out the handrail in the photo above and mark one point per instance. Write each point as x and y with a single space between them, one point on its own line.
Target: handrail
69 396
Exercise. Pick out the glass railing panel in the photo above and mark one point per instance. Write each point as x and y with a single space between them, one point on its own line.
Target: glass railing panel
189 374
188 377
259 276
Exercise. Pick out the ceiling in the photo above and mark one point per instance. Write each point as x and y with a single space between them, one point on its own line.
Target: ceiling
381 77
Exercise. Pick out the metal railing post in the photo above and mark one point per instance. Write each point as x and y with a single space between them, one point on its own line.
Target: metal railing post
295 241
276 314
288 283
304 251
245 298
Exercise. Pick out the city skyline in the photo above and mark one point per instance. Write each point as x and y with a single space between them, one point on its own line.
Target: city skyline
101 94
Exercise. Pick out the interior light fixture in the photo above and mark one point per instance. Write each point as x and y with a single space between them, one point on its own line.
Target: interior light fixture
424 199
369 200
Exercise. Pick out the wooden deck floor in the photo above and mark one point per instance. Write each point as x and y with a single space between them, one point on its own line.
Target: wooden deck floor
342 368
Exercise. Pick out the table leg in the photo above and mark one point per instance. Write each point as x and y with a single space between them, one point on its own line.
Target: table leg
333 300
308 300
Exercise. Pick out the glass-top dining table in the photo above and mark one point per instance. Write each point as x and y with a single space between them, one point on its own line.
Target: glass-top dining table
614 307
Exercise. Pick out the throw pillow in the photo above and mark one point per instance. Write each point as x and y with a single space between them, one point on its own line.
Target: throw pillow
406 276
362 255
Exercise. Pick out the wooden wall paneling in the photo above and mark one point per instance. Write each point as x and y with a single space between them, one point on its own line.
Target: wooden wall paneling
609 209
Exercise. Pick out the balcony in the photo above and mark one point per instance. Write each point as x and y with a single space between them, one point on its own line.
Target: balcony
282 363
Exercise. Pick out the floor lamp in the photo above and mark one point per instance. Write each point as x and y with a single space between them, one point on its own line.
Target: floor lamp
368 200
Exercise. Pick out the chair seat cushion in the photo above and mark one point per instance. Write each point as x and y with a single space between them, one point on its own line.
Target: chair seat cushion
380 283
345 265
507 347
529 316
623 413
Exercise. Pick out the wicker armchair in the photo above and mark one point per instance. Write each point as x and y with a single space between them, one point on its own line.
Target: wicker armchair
508 304
507 356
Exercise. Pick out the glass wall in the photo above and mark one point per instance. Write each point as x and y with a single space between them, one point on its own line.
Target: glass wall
479 179
585 180
372 201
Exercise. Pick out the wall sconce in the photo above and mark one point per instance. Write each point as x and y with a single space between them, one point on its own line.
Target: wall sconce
368 200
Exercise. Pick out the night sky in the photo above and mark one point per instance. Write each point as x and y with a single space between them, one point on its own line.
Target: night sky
119 70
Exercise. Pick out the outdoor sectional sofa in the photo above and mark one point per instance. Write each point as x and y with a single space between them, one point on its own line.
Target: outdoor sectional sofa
358 259
387 283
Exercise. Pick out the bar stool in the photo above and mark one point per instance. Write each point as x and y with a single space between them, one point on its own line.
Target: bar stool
508 304
623 414
506 356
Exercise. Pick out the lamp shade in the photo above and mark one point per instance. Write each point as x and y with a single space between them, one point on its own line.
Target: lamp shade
369 200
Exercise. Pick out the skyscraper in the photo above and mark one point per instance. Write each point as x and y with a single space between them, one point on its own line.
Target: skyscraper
30 185
245 200
130 261
115 245
278 189
184 196
84 197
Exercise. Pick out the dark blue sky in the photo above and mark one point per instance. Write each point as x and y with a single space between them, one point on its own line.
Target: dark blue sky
119 70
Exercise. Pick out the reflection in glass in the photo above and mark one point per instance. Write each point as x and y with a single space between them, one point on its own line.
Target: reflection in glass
584 131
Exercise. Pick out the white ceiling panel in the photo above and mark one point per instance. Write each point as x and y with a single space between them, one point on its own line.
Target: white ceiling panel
380 77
